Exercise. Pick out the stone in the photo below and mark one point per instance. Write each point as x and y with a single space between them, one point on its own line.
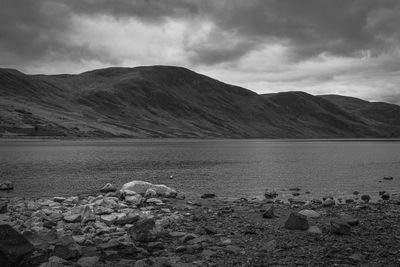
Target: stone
108 187
340 227
316 201
314 230
349 200
155 201
269 212
294 189
88 261
150 193
141 187
72 218
352 221
100 210
72 200
295 194
296 221
67 248
385 196
59 199
7 185
14 247
143 230
108 219
3 207
233 249
207 253
356 193
186 238
134 199
310 213
130 218
328 202
365 198
208 195
270 194
88 214
388 178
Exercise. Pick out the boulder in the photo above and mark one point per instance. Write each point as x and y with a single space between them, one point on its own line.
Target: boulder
141 187
270 194
328 202
67 248
7 185
143 230
208 195
296 221
269 212
14 247
340 227
365 198
108 188
134 199
310 213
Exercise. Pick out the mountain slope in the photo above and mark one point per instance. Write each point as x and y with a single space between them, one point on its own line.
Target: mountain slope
164 101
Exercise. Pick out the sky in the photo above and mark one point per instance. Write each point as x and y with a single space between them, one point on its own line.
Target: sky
347 47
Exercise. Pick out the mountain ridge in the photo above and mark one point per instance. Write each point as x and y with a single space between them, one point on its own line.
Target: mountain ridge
166 101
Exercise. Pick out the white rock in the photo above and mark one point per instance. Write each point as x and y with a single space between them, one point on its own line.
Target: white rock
314 230
141 187
135 200
310 213
108 219
154 201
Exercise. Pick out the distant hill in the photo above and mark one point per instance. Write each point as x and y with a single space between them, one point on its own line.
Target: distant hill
164 101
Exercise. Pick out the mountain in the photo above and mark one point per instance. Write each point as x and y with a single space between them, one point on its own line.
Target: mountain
165 101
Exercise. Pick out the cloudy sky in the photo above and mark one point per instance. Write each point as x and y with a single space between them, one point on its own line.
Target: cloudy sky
349 47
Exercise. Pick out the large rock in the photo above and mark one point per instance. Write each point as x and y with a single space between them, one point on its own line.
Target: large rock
310 213
7 185
296 221
14 247
141 187
67 248
341 227
144 230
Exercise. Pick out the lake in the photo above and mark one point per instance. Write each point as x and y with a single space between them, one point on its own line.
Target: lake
229 168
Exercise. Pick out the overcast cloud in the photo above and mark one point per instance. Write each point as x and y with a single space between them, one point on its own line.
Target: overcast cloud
349 47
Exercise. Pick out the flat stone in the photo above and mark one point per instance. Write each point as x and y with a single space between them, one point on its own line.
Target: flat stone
88 261
128 219
59 199
154 201
72 218
296 221
134 199
310 213
109 187
208 195
141 187
108 219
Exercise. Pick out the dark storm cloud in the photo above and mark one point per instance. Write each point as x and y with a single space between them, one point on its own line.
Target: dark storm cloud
33 29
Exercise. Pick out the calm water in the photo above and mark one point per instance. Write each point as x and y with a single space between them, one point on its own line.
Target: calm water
231 168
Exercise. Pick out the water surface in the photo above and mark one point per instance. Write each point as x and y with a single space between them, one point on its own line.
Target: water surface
230 168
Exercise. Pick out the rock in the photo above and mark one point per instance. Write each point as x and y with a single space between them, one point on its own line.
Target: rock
314 230
88 261
14 247
188 237
67 248
388 178
7 185
143 230
270 194
108 188
207 253
150 193
108 219
352 221
328 202
155 201
72 218
88 214
59 199
356 193
339 226
233 249
385 196
269 212
295 194
365 198
208 195
294 189
141 187
310 213
316 201
128 219
134 199
296 221
349 200
3 207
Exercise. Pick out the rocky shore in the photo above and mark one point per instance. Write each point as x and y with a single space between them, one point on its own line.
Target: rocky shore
153 225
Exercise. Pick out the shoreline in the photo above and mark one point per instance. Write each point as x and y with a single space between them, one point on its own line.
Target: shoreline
149 229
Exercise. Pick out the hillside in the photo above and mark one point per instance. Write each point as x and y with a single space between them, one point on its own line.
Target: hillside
163 101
